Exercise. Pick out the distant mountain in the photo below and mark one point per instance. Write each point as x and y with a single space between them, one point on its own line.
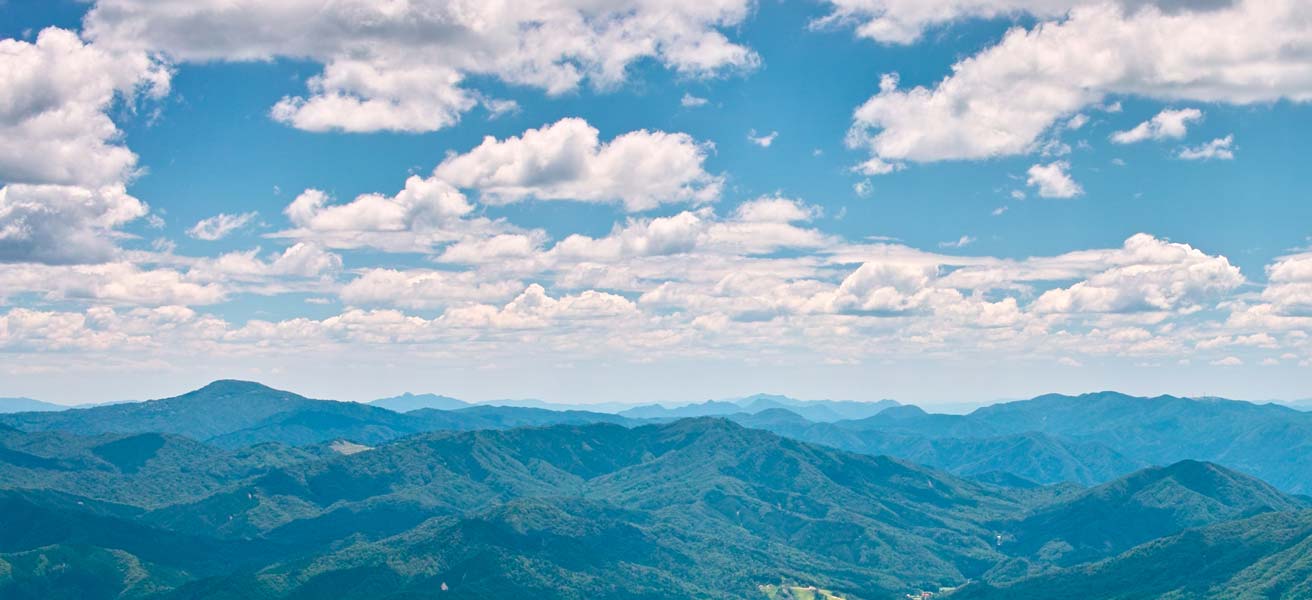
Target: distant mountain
1160 430
1266 556
1035 457
813 410
407 402
13 405
235 414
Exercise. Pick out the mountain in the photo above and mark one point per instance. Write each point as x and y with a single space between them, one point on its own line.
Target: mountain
147 469
813 410
526 507
235 414
1152 503
407 402
1159 430
1035 457
14 405
1266 556
694 508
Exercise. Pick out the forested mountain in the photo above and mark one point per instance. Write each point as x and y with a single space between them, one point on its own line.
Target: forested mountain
250 492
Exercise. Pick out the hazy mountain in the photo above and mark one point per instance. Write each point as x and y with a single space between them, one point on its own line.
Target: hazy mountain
1159 430
1035 457
813 410
234 414
407 402
13 405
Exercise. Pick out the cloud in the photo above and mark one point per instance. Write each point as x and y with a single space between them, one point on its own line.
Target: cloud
63 224
691 101
425 213
763 141
1147 275
54 96
120 283
961 242
1219 149
1168 124
408 66
425 288
1002 100
219 226
1053 180
567 160
61 159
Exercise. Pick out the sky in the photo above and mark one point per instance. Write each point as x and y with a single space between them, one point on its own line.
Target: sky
935 201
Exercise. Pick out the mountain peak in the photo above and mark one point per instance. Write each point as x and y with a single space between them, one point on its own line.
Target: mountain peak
228 387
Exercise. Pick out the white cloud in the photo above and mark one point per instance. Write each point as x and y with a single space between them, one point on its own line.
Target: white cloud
425 288
1077 121
863 188
1053 180
54 95
63 223
961 242
763 141
60 154
220 226
1229 361
1002 100
405 66
1219 149
1147 275
113 283
1168 124
427 212
691 101
567 160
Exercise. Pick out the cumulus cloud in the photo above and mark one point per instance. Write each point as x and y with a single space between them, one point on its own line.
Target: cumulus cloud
220 226
1002 100
406 67
567 160
1219 149
1168 124
61 156
62 223
426 212
1053 180
1148 275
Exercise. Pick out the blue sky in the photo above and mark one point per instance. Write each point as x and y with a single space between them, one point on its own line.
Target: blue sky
1019 235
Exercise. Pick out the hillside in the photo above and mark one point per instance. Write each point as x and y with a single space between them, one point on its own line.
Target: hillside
1266 556
1143 506
1033 456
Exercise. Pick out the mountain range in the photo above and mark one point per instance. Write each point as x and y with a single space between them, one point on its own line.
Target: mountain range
237 490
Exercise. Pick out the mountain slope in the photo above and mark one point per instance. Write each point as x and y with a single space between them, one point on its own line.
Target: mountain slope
1266 556
1152 503
1032 456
